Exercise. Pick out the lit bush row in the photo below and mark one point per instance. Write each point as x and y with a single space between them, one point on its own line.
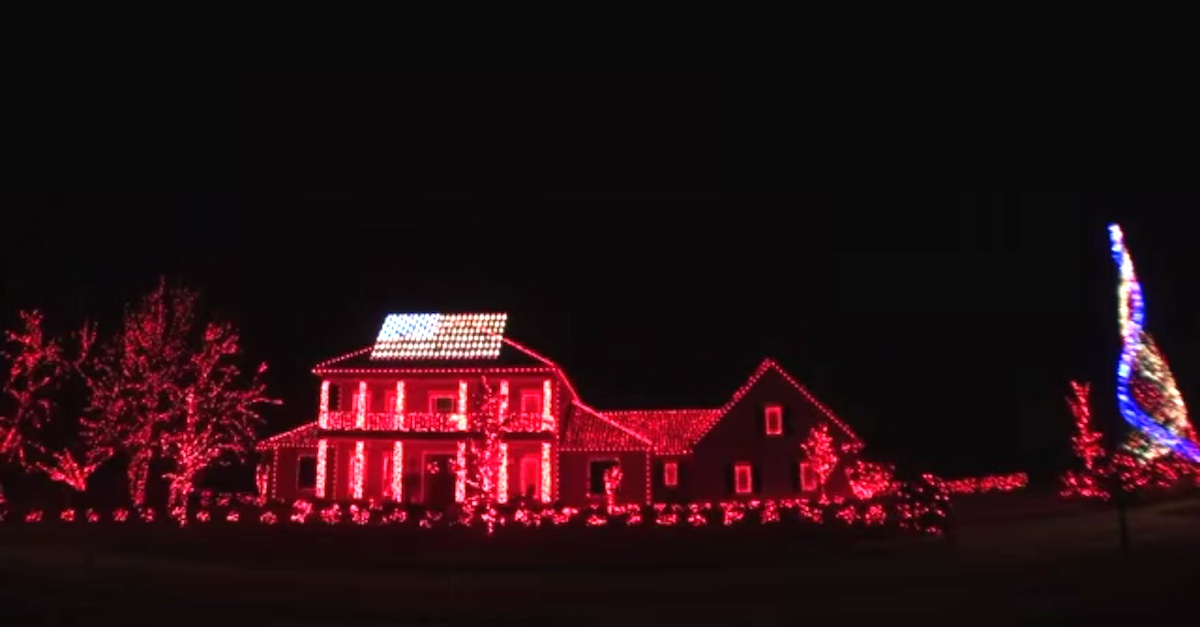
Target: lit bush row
924 515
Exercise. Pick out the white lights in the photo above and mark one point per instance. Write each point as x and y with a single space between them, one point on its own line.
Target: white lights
440 336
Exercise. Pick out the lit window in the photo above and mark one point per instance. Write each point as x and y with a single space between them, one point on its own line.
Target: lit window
531 402
808 478
743 479
442 403
670 474
774 419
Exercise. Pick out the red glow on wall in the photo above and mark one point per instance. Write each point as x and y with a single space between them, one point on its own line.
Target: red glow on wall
671 474
773 418
743 478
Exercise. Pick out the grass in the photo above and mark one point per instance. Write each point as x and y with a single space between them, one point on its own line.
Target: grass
1053 563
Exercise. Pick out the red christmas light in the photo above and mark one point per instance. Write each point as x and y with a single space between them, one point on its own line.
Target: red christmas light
980 485
167 387
820 453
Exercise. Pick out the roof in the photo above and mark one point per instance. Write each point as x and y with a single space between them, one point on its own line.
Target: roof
676 431
438 342
438 336
590 430
303 436
360 362
671 430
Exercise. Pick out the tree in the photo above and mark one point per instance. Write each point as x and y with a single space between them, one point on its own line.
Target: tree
820 453
134 380
1088 447
36 367
485 453
39 368
166 388
220 414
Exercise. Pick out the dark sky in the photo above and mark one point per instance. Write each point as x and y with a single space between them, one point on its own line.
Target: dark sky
943 326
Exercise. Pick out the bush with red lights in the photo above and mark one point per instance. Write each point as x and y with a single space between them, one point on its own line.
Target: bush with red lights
919 507
1099 472
981 485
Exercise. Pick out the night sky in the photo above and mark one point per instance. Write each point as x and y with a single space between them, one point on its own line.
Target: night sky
943 326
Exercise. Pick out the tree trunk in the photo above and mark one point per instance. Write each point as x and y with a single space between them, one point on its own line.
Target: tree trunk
137 475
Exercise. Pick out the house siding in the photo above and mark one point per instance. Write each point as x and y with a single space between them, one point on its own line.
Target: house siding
574 477
740 436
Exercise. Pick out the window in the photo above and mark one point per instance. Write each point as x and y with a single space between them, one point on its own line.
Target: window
335 396
670 474
743 479
531 476
774 419
306 473
596 472
531 402
808 478
389 402
442 403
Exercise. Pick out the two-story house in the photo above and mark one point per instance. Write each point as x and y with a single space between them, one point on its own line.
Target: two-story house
394 420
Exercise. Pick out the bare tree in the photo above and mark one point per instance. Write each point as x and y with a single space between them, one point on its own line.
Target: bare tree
220 415
485 453
820 453
134 380
36 366
167 388
40 367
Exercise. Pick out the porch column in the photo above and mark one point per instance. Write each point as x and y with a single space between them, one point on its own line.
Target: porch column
398 471
547 473
398 419
356 471
322 466
460 473
360 409
502 480
547 405
323 413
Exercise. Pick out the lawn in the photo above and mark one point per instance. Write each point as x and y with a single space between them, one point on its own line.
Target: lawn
1048 563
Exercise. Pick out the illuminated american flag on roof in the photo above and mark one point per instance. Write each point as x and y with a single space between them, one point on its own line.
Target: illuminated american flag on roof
440 336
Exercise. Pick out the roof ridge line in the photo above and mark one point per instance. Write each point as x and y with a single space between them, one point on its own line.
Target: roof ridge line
614 423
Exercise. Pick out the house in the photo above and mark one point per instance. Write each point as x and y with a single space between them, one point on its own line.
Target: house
394 420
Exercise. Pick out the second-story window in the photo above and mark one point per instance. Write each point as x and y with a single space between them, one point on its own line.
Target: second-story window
531 402
773 415
442 403
335 397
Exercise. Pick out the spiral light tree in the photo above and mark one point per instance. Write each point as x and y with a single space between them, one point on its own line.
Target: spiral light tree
1147 396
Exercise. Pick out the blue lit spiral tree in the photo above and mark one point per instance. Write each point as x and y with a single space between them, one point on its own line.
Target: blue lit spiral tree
1146 392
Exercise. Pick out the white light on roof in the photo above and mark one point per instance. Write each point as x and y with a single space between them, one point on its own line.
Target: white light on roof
440 336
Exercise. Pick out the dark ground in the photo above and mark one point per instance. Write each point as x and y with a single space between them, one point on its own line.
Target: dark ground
1012 558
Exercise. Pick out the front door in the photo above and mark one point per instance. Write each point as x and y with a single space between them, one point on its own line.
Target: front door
531 477
439 480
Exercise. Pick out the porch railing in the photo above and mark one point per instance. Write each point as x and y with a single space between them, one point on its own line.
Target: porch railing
425 422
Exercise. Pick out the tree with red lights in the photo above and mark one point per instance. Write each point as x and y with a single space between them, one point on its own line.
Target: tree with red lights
134 382
39 369
612 484
820 453
1087 444
167 389
485 455
1086 441
36 368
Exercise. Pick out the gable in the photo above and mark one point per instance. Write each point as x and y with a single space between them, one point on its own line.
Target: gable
304 436
771 384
